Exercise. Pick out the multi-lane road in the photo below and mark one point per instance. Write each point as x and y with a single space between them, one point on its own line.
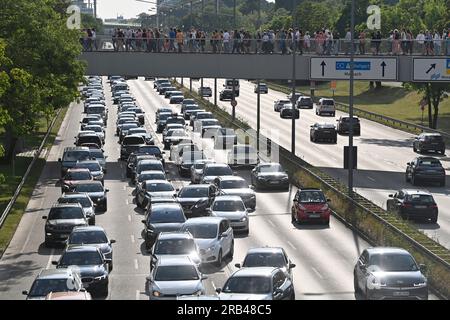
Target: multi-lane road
382 152
324 256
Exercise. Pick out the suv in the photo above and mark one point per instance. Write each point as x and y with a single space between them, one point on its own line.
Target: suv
226 94
71 156
204 92
324 132
279 104
304 102
326 106
60 221
310 205
425 169
131 144
343 125
262 88
413 204
429 141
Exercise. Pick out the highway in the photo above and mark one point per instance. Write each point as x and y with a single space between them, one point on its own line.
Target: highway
325 256
382 152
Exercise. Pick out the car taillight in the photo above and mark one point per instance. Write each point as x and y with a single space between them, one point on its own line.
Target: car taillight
434 206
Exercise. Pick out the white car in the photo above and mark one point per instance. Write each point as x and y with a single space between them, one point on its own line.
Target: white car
233 209
243 155
277 105
177 150
327 106
213 235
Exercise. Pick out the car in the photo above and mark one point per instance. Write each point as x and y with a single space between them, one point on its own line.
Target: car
176 99
94 167
51 280
162 217
175 276
132 162
204 92
121 122
97 154
73 175
98 130
186 161
343 125
123 132
91 264
197 169
191 195
275 257
163 89
243 155
278 105
269 175
310 205
153 189
226 94
202 115
174 137
98 109
92 117
213 235
288 111
130 144
224 138
214 170
294 100
263 88
425 169
323 132
327 106
154 151
193 116
61 219
232 208
149 175
82 295
413 204
231 84
237 186
71 156
93 236
187 109
260 283
96 191
389 273
146 163
175 244
187 102
208 127
176 151
171 126
426 142
140 114
166 111
89 138
304 102
85 202
158 82
170 93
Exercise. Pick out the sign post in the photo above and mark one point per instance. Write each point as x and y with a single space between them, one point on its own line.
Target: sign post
333 85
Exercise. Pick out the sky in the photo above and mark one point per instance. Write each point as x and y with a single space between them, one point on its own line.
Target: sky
126 8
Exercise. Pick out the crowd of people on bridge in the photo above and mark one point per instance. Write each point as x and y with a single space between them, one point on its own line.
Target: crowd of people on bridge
284 41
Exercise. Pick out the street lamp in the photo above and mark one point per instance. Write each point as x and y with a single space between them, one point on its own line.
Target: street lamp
351 93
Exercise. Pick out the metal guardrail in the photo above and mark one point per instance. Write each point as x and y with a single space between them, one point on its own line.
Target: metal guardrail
27 173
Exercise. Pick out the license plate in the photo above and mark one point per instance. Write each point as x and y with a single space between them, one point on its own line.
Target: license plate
314 215
420 207
401 293
274 182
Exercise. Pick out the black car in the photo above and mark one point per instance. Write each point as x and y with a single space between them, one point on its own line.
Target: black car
204 92
196 194
146 163
60 221
152 150
162 217
226 94
426 169
139 113
304 102
91 265
429 142
323 132
133 160
88 138
269 175
123 131
186 110
131 144
413 204
161 122
95 191
343 125
288 112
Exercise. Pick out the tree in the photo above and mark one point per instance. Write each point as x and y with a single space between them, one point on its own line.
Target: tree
312 16
88 21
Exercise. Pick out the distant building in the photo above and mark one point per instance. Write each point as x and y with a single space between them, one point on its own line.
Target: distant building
86 6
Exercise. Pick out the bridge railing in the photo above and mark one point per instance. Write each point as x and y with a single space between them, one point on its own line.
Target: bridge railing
275 46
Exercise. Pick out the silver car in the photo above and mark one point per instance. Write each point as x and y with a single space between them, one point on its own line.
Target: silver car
175 276
236 186
197 169
84 200
233 209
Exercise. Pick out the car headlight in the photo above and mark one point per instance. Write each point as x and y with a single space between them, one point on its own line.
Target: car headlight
243 219
285 178
262 178
376 283
210 249
102 277
156 293
420 284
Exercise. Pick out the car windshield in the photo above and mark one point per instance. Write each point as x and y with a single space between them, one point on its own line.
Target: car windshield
76 155
92 166
89 139
128 126
80 258
89 187
433 138
202 231
164 116
312 196
176 120
233 184
355 120
218 171
133 140
66 213
96 110
94 128
205 116
137 131
420 198
84 201
248 284
152 150
78 175
42 287
194 192
271 168
151 176
88 237
210 123
268 259
393 262
176 133
178 246
430 162
200 165
166 215
159 187
176 273
228 206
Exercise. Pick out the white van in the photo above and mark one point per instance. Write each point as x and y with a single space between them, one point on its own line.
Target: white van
327 106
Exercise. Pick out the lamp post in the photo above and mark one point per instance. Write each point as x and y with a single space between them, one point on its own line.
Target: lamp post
352 80
294 67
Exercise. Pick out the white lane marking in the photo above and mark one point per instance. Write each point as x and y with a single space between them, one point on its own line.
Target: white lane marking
52 252
132 239
129 218
127 202
124 188
270 221
317 272
41 205
138 294
136 266
213 285
291 245
371 179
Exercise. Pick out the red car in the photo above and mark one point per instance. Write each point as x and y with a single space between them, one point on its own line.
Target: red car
310 205
74 175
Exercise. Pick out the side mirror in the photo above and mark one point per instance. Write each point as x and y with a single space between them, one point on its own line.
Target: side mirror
25 292
177 189
223 235
204 277
106 190
44 217
167 172
219 290
144 221
59 160
54 263
391 196
278 291
112 241
292 265
408 163
423 268
237 265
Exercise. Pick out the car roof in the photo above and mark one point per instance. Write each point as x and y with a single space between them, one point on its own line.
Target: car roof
81 248
87 161
254 271
66 205
151 172
195 186
204 220
76 149
385 250
215 164
87 182
310 189
431 134
169 260
78 169
149 161
227 198
413 191
59 273
88 228
265 250
325 125
165 205
74 195
69 295
160 181
230 178
175 235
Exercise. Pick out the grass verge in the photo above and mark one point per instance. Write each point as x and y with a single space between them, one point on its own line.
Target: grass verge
11 182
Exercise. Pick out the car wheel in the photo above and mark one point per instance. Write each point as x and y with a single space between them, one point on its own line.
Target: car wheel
219 259
434 219
292 296
293 219
442 183
413 180
355 284
414 148
231 253
104 292
110 267
407 179
442 152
